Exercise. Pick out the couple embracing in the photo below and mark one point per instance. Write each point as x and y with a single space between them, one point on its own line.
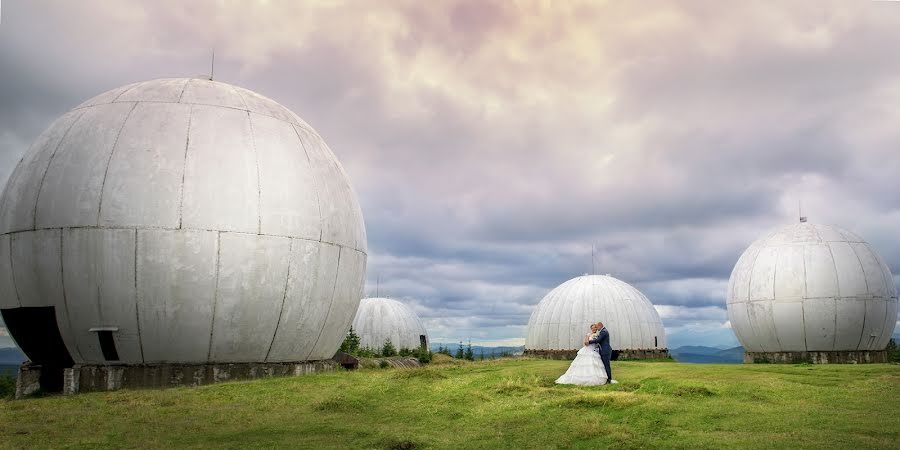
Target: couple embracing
591 364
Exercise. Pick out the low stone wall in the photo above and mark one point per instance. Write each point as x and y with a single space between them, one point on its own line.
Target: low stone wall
87 378
400 363
845 357
618 355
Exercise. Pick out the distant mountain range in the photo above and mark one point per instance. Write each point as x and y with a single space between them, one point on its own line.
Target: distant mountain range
707 355
479 349
11 356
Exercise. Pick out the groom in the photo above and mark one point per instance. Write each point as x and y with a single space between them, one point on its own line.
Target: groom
604 348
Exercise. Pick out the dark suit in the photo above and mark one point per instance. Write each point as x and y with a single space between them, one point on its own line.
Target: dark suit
605 350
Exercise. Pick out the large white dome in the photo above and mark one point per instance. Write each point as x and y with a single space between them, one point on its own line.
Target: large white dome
191 220
563 316
810 287
380 319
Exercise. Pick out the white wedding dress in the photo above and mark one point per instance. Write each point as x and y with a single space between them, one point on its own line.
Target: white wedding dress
586 369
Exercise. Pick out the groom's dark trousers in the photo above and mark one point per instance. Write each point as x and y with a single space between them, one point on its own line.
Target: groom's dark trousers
605 351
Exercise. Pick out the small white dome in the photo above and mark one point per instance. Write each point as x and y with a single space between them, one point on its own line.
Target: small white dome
563 317
810 287
380 319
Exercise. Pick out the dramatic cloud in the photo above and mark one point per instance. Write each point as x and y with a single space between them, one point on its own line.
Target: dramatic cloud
493 142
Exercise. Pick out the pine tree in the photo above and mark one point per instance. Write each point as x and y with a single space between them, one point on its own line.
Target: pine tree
460 353
388 349
351 342
469 354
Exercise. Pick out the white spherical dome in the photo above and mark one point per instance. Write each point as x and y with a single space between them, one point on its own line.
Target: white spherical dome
192 220
563 316
380 319
810 287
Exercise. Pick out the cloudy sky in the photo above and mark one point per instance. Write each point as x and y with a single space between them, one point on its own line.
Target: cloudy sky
493 142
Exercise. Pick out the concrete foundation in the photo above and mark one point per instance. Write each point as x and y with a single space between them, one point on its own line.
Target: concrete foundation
29 380
90 378
844 357
618 355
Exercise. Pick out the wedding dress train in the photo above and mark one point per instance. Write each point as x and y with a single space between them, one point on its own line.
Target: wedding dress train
586 369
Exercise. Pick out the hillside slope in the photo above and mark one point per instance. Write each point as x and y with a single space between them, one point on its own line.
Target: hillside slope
491 404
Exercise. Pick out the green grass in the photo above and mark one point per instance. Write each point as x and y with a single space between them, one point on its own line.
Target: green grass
499 404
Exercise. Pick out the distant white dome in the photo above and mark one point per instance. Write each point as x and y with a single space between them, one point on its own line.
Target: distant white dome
380 319
191 221
563 317
810 287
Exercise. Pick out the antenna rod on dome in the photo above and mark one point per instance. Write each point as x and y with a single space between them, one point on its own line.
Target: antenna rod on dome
593 270
212 67
377 282
800 211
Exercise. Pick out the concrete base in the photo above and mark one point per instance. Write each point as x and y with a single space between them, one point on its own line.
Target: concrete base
28 381
90 378
846 357
618 355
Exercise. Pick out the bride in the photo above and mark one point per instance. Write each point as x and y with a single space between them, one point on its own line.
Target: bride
587 368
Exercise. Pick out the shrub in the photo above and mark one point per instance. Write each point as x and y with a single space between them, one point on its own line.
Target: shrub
7 386
893 351
424 356
383 364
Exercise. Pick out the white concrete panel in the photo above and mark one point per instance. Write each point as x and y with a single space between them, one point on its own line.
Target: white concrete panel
260 104
851 315
310 289
251 284
109 96
37 272
790 276
347 293
819 324
98 276
206 92
829 234
176 290
143 183
821 279
20 196
762 322
740 322
851 278
788 319
163 90
70 194
289 203
341 223
876 311
8 296
740 276
762 276
890 286
221 188
873 270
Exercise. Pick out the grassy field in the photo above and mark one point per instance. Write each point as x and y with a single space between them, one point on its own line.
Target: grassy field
492 404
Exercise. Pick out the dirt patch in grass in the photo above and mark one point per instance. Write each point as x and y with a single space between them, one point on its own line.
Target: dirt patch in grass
338 403
692 391
609 400
420 374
